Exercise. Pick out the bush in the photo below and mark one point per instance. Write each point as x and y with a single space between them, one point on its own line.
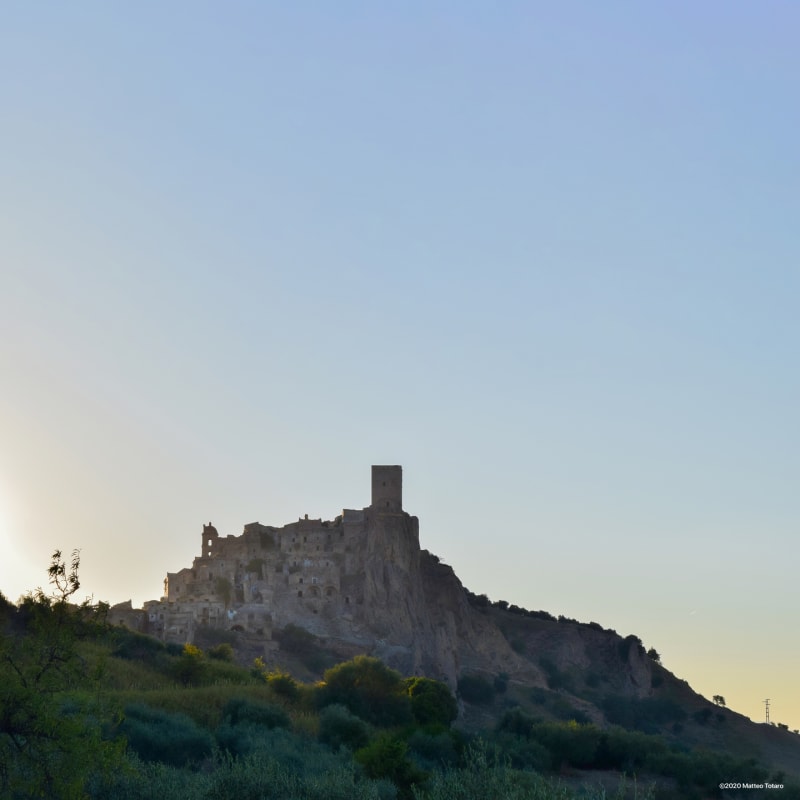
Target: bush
338 727
264 776
569 742
190 668
296 640
624 647
156 735
556 679
475 689
222 652
136 646
148 780
517 722
240 709
283 684
523 753
432 703
433 750
369 689
387 757
487 777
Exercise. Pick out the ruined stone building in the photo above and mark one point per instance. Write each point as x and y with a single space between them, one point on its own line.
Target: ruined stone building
310 573
361 583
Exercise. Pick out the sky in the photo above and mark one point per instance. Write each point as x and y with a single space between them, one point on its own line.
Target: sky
543 255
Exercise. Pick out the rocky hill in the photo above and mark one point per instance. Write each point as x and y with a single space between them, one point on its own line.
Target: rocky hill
313 591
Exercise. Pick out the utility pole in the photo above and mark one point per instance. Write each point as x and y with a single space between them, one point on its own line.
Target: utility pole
766 703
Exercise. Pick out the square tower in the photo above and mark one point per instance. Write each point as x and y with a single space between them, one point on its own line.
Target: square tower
387 488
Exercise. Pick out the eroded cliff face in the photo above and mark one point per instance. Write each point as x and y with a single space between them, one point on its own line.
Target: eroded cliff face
417 611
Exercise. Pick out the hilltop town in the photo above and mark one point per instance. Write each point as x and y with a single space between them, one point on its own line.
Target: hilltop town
360 583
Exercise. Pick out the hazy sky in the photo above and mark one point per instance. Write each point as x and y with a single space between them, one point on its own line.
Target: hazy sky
543 255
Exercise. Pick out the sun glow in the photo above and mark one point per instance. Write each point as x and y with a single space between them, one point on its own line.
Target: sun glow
13 565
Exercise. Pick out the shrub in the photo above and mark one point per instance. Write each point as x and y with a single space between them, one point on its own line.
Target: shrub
432 703
262 775
479 600
369 689
224 590
190 668
256 566
136 646
569 742
475 689
517 722
282 683
433 750
387 757
484 777
556 679
240 709
338 727
296 640
523 753
148 780
222 652
156 735
624 647
653 654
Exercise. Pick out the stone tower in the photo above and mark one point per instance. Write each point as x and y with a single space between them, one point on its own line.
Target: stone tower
387 488
210 537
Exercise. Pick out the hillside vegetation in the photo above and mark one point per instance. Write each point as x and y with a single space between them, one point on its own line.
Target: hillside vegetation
90 711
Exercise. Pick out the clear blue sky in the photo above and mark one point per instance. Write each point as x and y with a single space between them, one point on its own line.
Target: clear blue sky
545 256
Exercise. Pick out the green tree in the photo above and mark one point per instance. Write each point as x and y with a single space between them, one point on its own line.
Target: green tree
432 703
719 700
653 654
369 688
386 756
339 727
49 745
190 667
222 652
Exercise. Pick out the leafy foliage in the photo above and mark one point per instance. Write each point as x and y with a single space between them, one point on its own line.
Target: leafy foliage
369 688
240 709
339 727
157 735
221 652
296 640
190 668
386 756
432 703
49 747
